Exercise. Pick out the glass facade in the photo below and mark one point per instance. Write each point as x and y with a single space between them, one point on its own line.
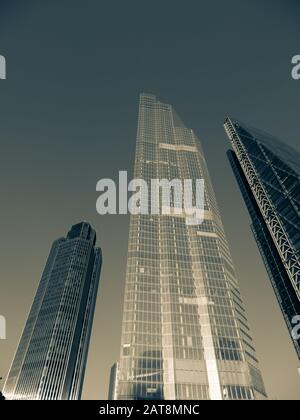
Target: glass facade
268 173
185 332
113 381
51 357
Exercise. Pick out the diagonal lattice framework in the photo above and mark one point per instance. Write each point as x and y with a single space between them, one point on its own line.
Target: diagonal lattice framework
285 248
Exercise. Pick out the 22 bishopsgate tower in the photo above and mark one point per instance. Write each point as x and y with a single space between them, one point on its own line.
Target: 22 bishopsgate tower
185 332
268 173
51 357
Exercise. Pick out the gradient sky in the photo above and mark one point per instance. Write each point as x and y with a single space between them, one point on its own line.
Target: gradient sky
68 115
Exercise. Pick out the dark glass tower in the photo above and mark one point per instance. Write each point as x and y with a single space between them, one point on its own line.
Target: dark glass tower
268 173
113 382
185 331
51 357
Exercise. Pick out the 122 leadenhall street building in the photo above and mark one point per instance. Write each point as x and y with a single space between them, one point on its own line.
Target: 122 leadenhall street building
185 332
51 358
268 173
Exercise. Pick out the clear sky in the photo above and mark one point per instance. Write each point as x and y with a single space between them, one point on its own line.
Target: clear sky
68 116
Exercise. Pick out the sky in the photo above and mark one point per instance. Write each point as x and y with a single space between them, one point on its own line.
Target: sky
68 117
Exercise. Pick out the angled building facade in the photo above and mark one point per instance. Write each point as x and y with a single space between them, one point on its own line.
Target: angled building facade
185 332
51 357
268 173
113 382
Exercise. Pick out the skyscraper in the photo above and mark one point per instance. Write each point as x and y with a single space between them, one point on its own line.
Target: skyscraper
185 332
51 357
268 173
113 381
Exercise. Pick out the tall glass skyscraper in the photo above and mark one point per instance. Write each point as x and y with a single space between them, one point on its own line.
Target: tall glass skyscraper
51 357
185 332
268 172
